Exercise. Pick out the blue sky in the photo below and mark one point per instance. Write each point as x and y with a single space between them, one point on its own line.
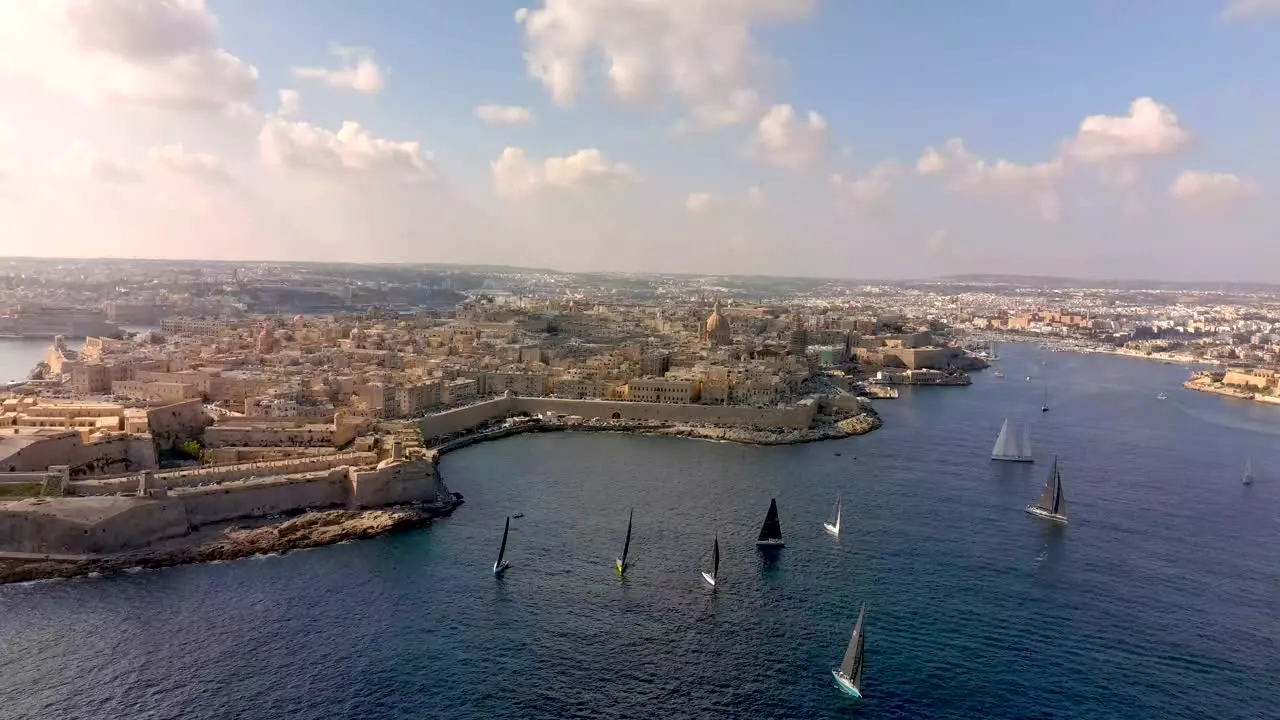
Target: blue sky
1013 79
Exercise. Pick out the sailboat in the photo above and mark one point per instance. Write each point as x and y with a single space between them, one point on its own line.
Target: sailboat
849 675
626 547
500 565
710 577
833 525
1052 505
771 531
1162 396
1012 447
1247 478
992 354
1045 406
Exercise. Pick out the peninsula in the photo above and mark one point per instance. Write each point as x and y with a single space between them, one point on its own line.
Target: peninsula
222 433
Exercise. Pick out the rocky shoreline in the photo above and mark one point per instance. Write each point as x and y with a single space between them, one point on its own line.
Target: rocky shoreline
236 540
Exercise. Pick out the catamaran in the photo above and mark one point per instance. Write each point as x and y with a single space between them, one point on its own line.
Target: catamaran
1052 505
833 525
1011 446
710 577
771 531
849 675
500 565
1247 478
626 547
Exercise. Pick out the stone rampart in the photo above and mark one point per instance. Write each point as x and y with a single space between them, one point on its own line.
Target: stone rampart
451 422
224 473
265 496
462 419
84 526
792 417
97 525
395 484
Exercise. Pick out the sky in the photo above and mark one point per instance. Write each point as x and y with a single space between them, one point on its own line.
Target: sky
832 138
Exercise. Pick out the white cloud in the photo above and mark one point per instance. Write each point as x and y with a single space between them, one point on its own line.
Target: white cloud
350 151
160 54
1211 191
700 202
81 162
1245 10
505 114
178 160
869 192
1149 130
515 175
789 142
358 71
966 172
290 103
702 53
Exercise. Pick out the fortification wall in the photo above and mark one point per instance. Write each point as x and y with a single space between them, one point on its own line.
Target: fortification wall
218 436
124 523
796 417
267 496
414 481
174 424
224 473
114 454
464 418
236 455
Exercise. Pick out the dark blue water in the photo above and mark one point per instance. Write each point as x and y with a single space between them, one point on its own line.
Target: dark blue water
1159 601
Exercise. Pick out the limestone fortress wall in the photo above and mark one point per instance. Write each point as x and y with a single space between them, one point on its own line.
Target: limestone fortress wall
100 524
452 422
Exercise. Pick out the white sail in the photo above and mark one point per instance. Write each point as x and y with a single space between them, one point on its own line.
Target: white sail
1011 444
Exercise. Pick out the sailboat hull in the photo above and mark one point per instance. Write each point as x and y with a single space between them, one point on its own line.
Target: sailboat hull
845 684
1013 458
710 580
770 543
621 567
1042 513
500 568
832 529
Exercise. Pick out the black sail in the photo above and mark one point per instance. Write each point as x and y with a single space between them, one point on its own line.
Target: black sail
502 549
626 545
851 667
715 558
772 529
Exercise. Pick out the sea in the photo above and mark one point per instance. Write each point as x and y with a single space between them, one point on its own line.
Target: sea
1158 601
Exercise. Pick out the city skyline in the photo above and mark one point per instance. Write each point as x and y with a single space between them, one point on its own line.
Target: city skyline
788 138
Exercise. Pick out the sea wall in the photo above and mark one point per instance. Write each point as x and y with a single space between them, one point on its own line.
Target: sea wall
452 422
411 481
265 496
461 419
793 417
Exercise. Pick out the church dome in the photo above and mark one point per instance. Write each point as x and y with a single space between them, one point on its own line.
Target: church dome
717 327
